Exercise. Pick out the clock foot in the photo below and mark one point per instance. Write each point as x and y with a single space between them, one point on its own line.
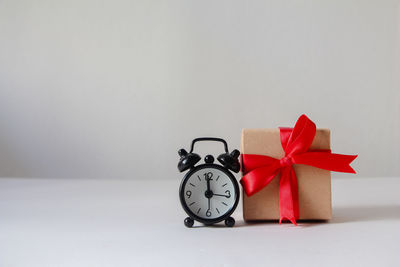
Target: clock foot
230 222
189 222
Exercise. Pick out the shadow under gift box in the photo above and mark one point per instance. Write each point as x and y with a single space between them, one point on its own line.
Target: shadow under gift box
314 184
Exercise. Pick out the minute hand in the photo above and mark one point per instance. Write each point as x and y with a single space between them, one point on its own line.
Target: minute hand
208 184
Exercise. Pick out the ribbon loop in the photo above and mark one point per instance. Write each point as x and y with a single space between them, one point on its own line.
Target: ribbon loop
260 170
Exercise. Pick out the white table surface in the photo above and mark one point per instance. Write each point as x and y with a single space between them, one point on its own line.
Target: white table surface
53 222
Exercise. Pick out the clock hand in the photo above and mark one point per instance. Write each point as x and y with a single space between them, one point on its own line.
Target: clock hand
227 196
208 192
208 184
221 195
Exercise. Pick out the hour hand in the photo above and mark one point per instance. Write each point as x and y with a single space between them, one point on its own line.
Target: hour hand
227 192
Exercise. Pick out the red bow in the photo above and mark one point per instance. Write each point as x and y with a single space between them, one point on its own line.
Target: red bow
260 170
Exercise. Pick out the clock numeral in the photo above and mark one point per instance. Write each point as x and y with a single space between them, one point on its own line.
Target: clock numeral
217 210
208 213
228 193
208 175
224 203
198 211
188 193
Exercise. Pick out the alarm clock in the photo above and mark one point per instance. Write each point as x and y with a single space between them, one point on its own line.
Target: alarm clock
209 193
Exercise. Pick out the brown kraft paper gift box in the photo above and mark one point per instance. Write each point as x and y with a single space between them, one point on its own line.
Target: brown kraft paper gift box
314 184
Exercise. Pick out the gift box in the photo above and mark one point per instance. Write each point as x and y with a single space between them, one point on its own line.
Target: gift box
287 172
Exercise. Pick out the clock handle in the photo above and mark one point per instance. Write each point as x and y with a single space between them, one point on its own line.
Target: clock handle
209 139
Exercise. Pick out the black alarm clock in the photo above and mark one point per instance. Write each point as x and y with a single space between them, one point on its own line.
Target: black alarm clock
209 193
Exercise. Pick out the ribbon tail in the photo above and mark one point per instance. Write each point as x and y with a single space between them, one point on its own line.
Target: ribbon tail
288 196
326 160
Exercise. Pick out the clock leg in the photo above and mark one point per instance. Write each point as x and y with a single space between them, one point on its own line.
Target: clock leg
230 222
189 222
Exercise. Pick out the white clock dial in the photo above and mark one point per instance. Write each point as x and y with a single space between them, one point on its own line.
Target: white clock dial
209 199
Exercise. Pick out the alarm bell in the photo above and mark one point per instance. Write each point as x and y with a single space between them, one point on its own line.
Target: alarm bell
187 160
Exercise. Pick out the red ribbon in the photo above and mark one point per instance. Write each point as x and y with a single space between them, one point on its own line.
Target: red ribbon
260 170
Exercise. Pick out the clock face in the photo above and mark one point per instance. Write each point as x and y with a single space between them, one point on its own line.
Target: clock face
209 192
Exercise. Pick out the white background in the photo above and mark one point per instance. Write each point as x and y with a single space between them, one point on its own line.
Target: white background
112 89
113 223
